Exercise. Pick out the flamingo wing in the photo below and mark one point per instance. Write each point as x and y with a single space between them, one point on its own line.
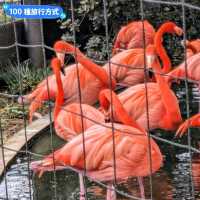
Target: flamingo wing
131 153
68 123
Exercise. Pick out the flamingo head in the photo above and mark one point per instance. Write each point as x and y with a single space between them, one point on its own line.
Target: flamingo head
151 54
171 27
178 31
152 61
60 49
56 65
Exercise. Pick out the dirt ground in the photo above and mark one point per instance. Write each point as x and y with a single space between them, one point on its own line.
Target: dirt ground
11 116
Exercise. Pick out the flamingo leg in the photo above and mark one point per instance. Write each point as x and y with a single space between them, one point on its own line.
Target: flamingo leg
111 195
141 185
82 187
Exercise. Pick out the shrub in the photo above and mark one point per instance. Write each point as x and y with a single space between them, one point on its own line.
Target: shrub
12 74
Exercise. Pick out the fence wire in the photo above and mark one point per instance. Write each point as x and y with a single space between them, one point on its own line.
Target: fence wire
187 97
80 99
44 47
23 107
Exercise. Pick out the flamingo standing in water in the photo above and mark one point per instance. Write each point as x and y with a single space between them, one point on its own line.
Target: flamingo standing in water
131 36
92 79
131 150
194 121
164 111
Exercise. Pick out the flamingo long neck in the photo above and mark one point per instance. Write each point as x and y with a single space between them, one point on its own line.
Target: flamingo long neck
60 92
95 69
159 78
105 101
160 48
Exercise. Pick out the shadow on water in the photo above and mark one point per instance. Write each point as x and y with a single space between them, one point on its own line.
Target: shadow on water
171 182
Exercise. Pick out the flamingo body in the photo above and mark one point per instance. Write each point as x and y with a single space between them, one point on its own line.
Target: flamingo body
131 75
131 154
134 101
68 123
131 36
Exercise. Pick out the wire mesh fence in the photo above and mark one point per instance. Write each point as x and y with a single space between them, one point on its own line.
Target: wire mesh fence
182 5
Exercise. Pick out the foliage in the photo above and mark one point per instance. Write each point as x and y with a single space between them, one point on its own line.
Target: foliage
12 110
96 48
29 77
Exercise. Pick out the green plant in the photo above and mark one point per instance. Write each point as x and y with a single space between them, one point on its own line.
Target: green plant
14 111
25 74
96 48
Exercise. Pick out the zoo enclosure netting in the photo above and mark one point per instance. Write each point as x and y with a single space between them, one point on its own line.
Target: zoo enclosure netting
182 5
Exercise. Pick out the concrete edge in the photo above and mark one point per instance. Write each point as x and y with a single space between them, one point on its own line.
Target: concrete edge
18 141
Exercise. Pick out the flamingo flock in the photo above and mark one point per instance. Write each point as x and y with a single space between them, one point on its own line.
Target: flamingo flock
122 118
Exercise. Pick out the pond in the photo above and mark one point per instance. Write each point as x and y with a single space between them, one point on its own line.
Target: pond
172 181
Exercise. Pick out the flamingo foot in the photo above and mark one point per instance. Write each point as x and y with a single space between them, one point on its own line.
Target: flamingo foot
111 195
82 187
140 181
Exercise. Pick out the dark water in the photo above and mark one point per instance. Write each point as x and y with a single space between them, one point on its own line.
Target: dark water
172 181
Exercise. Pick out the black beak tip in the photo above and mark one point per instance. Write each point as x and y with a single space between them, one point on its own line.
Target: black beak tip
151 74
62 70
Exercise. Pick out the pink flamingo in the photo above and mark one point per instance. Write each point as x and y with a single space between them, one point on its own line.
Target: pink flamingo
131 36
191 122
131 151
92 79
